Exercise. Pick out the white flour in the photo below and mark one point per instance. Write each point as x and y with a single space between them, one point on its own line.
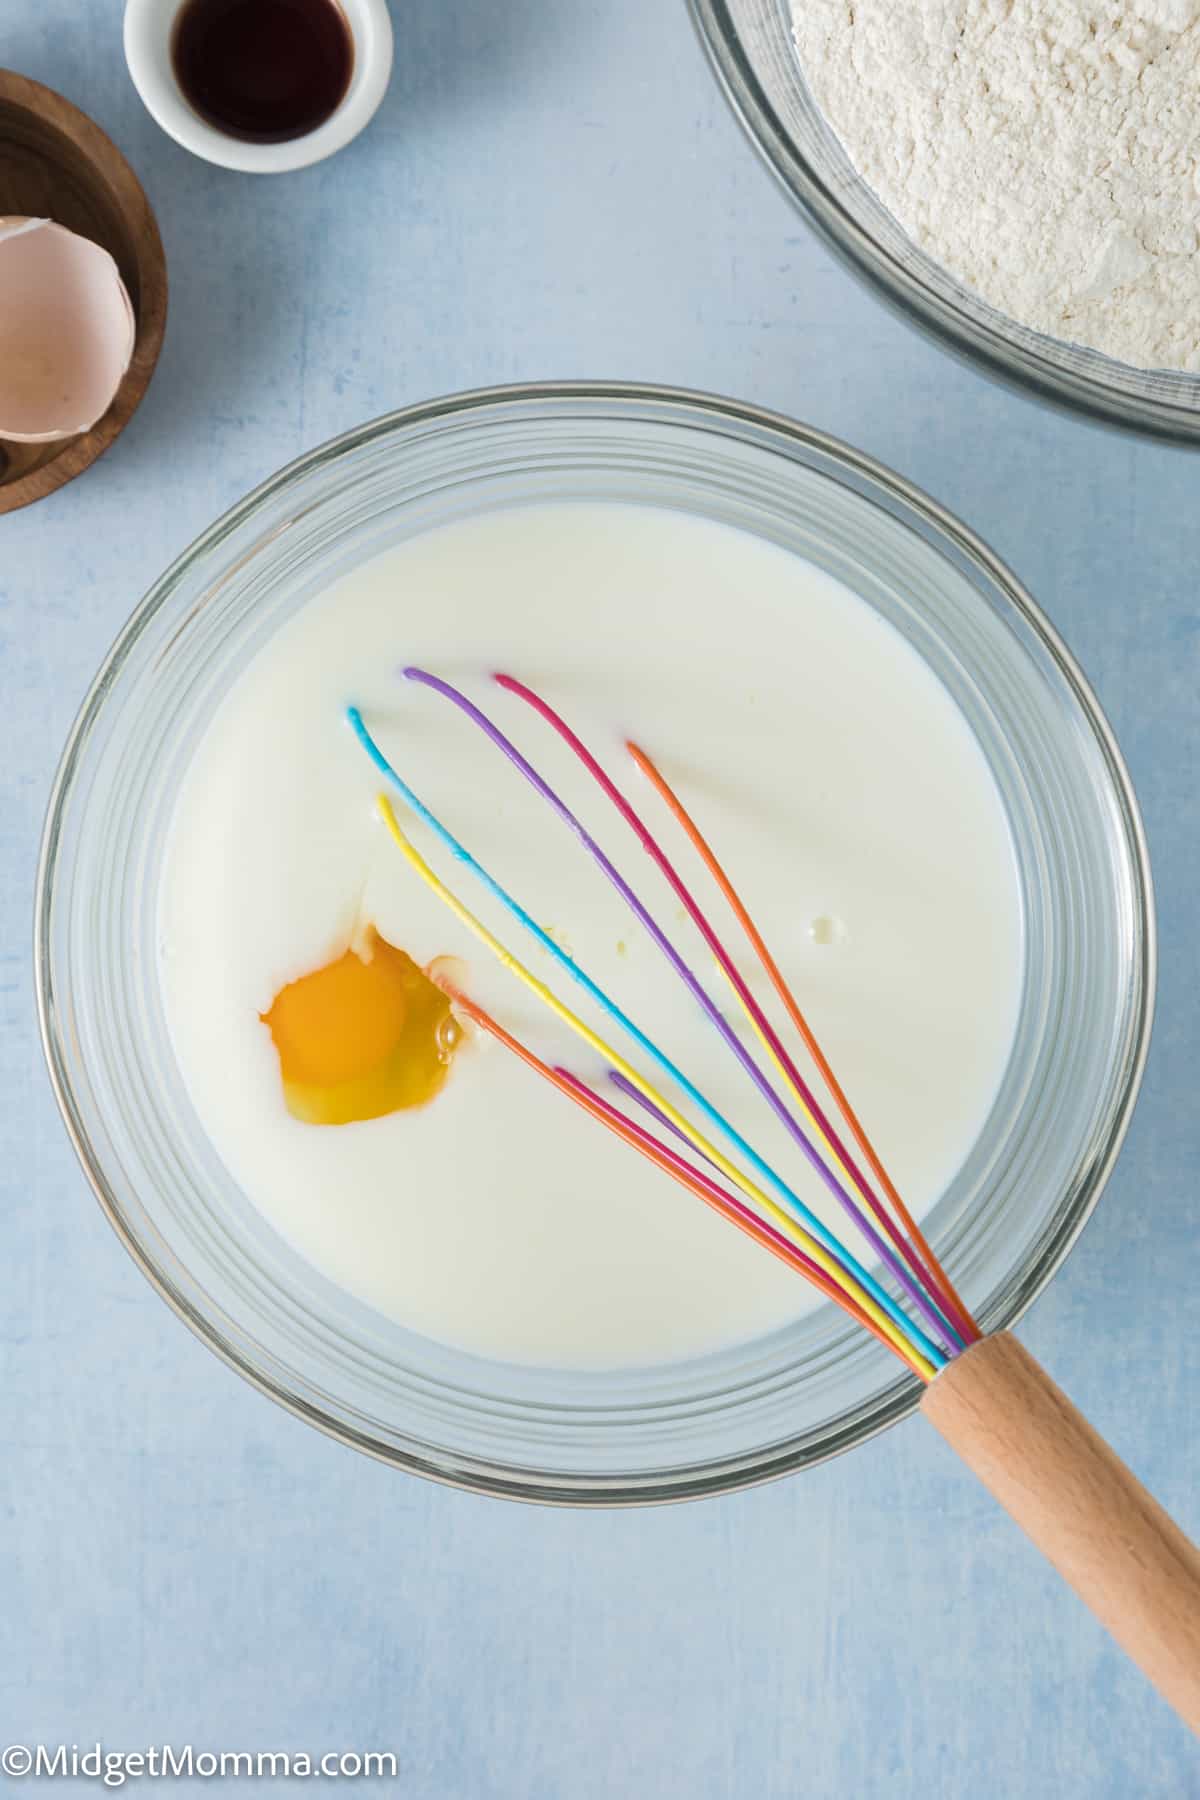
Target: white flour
1045 152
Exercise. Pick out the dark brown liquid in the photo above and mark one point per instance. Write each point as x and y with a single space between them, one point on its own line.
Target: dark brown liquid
263 70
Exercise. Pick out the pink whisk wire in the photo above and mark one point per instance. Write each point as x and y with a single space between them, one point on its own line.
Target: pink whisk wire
912 1247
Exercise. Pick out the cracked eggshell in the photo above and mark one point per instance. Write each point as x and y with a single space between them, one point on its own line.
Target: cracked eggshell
67 331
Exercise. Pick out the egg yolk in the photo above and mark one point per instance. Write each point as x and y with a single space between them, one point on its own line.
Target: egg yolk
361 1037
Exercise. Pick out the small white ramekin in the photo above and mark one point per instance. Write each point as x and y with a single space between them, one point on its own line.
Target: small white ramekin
149 25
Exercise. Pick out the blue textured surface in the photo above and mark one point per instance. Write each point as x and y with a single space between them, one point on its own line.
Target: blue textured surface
554 188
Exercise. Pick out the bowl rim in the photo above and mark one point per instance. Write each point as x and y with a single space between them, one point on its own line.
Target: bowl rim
698 1481
974 343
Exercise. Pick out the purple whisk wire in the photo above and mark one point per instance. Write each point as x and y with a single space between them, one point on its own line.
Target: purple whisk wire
631 1093
735 1205
933 1316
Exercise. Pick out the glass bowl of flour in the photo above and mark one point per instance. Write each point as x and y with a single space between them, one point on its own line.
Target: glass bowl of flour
888 744
1023 181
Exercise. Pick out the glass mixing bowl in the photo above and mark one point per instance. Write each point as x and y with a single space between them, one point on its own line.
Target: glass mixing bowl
750 45
746 1413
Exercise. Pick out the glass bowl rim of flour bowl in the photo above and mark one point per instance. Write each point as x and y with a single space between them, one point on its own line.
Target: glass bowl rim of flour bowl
738 1415
749 43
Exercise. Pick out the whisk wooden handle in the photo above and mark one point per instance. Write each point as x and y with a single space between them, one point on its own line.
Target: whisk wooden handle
1067 1490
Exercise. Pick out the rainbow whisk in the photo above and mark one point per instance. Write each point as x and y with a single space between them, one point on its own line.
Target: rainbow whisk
986 1395
910 1306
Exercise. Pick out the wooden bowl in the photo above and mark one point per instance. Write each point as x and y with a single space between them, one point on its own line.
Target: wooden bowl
56 164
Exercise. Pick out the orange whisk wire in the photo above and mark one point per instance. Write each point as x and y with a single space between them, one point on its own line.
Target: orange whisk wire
685 1174
683 818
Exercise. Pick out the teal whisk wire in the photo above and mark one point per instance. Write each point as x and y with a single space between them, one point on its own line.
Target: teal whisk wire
911 1331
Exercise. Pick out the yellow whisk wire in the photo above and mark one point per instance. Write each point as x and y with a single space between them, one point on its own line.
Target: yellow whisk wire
839 1162
762 1201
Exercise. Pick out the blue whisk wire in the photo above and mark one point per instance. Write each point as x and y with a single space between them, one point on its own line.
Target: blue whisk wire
910 1330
